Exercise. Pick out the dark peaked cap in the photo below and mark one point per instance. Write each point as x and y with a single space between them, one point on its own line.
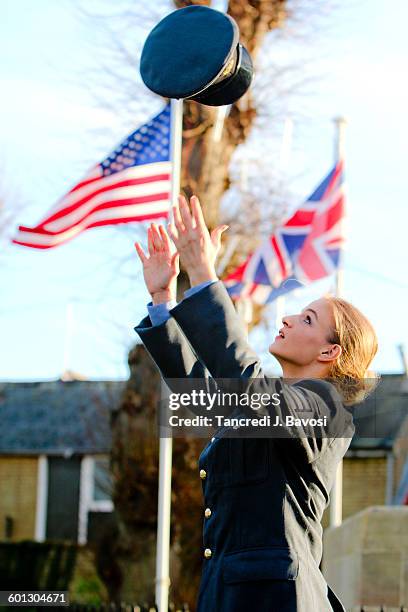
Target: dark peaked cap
194 52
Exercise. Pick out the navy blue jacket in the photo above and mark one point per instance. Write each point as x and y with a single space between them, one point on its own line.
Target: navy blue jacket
263 497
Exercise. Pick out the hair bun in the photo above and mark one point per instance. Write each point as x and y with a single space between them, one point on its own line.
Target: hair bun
355 390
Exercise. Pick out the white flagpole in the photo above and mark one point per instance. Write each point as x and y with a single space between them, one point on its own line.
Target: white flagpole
229 251
340 123
286 146
336 505
221 115
243 304
166 444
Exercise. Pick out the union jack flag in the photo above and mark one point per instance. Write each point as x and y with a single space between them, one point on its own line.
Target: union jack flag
131 184
306 248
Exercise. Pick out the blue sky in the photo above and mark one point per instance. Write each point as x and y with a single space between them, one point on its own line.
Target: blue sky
51 131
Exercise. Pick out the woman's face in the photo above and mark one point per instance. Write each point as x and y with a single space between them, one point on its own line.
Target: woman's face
303 338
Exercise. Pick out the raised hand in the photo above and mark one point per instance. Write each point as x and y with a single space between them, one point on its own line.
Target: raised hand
161 266
198 248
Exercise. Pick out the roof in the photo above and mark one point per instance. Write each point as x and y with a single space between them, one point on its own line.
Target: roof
57 417
379 418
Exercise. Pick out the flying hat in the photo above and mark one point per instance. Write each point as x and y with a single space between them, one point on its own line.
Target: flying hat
195 53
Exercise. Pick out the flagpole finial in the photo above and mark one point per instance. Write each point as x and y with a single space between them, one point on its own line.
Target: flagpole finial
340 119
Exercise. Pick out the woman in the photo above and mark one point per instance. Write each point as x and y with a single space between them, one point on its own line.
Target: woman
264 498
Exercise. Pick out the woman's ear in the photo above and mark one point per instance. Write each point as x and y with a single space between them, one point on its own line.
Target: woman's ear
330 353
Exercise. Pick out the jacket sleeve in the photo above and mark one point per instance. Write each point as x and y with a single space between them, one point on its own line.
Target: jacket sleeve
170 349
216 333
166 343
173 355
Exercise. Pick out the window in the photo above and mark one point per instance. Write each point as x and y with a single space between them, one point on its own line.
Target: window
102 481
95 493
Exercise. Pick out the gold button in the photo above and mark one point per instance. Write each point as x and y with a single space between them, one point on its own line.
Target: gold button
203 474
207 512
207 553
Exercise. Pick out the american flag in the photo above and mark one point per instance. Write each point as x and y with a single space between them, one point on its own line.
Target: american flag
131 184
306 248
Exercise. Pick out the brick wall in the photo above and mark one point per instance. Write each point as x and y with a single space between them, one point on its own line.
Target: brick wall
364 485
18 492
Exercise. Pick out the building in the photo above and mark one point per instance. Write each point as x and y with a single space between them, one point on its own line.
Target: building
375 467
55 442
54 458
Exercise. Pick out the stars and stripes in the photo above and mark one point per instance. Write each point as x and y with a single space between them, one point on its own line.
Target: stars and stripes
305 248
133 183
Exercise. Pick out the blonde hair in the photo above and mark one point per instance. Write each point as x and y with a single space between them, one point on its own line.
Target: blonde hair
355 334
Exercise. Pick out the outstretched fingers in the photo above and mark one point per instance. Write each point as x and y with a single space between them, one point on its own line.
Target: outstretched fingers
150 245
197 213
175 262
156 238
165 239
173 233
185 213
141 253
178 222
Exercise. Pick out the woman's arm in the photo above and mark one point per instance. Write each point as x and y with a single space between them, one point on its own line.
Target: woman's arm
170 349
160 334
166 342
